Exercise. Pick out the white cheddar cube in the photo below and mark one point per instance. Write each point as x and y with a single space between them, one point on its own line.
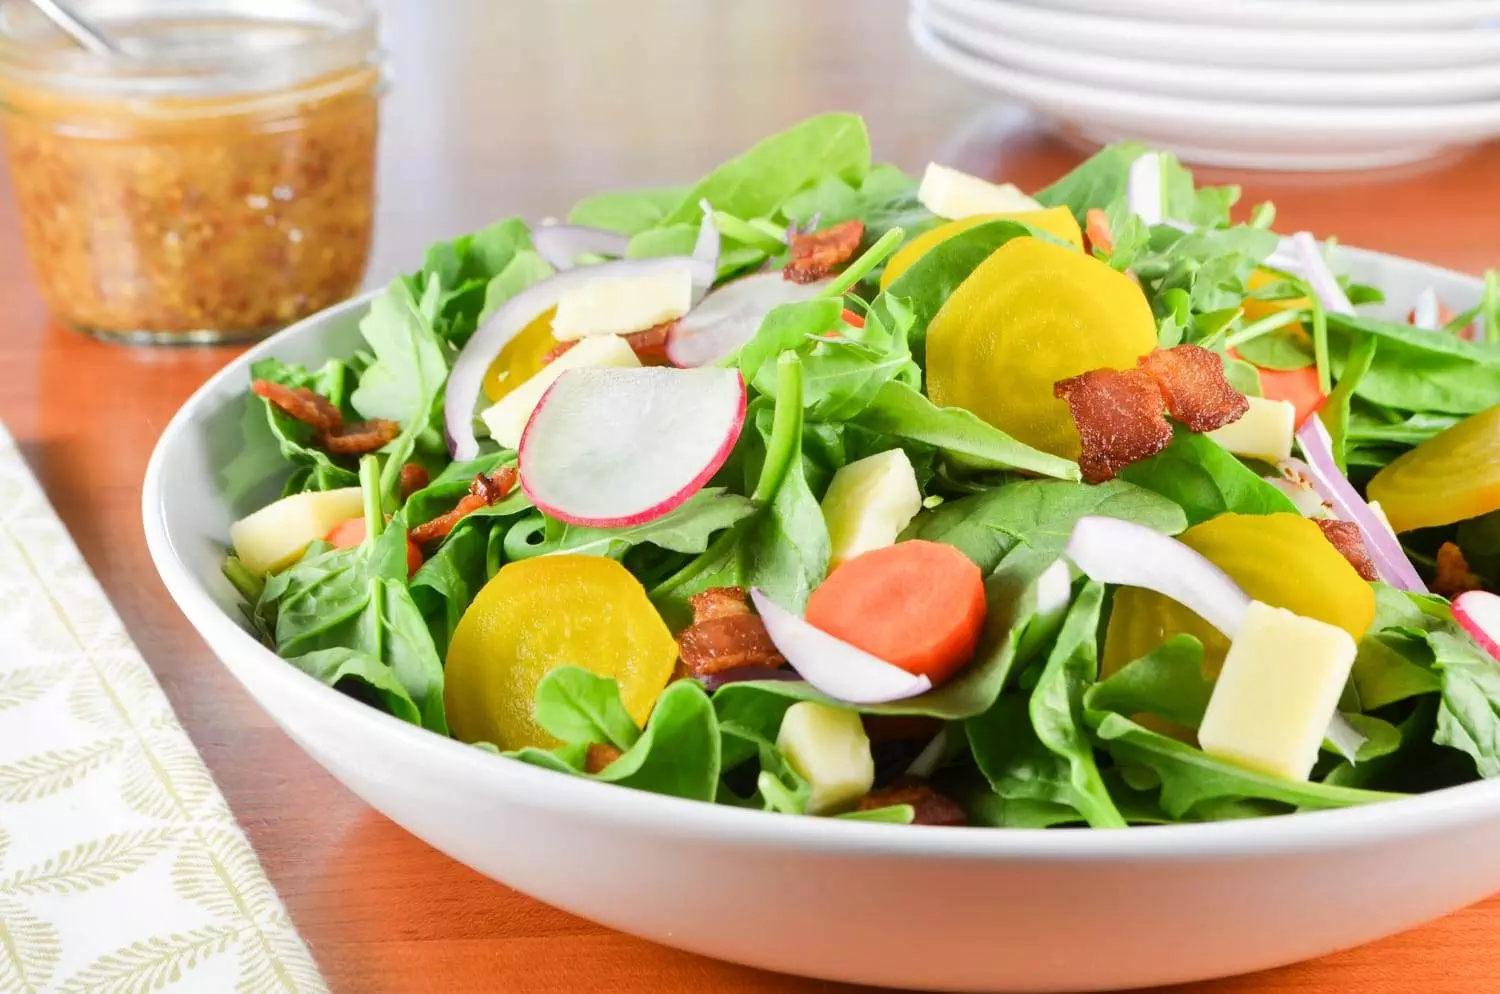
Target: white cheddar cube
1264 432
274 537
951 194
829 749
1277 691
619 305
868 502
507 419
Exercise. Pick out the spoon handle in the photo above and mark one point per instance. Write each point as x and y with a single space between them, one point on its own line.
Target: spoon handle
81 31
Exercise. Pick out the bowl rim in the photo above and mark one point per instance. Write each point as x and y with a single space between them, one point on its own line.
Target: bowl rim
519 783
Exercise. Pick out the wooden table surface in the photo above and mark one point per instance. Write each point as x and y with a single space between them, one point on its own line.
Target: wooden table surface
519 108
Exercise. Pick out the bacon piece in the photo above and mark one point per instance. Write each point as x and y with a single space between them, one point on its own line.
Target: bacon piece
1096 231
413 478
484 491
307 406
558 350
816 255
1119 414
725 635
1345 537
650 346
928 806
1453 575
599 756
360 437
1192 382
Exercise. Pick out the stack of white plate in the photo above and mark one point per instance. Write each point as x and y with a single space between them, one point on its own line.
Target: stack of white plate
1274 84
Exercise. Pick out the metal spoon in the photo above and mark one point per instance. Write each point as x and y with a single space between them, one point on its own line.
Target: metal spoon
81 31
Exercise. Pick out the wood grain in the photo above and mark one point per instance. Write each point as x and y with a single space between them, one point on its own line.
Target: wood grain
517 107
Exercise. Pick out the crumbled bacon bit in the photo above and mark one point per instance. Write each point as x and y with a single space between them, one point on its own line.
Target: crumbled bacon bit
484 491
312 409
1096 231
1453 576
725 635
1119 414
816 255
558 350
599 756
650 346
1345 537
413 478
1192 383
928 806
360 437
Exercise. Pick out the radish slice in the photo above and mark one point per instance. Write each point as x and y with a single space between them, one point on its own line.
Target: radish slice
610 447
1111 550
1144 189
1424 314
562 244
1478 613
467 375
832 666
730 316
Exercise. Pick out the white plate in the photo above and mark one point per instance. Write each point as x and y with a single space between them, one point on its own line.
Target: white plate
1267 48
929 908
1248 135
1343 15
1138 72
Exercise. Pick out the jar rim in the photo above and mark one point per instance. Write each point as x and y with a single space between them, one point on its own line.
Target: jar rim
191 48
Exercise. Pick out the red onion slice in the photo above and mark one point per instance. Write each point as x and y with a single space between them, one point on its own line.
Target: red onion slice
562 244
467 376
1143 191
1111 550
1322 472
1478 613
1315 270
832 666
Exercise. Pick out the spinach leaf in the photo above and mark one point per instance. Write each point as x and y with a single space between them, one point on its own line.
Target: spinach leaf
1205 480
1096 182
629 212
1190 777
1031 520
355 672
1335 412
757 182
1285 348
987 808
574 705
1416 370
1468 718
295 442
1056 707
679 753
1017 765
1393 662
686 529
901 411
1167 682
1370 738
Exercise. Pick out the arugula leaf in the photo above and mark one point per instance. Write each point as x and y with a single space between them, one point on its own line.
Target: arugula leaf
574 705
629 212
757 182
894 814
902 411
1417 370
1056 707
1205 479
1167 682
778 787
1335 411
1190 777
474 274
1031 521
410 366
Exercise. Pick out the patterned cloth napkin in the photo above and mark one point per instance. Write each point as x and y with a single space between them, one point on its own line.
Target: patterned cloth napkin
121 867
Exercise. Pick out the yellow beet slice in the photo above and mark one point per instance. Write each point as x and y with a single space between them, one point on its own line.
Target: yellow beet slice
1257 309
521 358
1031 314
1055 221
536 615
1453 476
1279 559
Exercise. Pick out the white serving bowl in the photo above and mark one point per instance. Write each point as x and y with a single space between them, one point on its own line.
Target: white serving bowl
926 908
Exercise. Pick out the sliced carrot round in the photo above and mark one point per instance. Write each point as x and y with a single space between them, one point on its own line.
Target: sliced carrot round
1298 387
918 605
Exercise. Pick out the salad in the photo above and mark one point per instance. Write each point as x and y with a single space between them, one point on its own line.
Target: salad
818 489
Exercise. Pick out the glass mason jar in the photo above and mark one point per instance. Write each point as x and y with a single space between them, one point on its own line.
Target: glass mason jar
216 181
